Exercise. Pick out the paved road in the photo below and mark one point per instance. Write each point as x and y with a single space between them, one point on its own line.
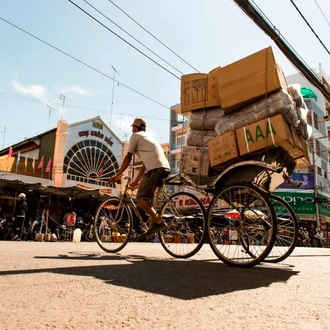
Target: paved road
63 285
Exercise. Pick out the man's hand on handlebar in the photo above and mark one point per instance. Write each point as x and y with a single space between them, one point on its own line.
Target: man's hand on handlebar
134 184
114 178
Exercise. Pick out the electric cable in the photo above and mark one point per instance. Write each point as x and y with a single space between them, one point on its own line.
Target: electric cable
260 19
35 100
85 64
303 17
117 35
322 12
153 36
133 37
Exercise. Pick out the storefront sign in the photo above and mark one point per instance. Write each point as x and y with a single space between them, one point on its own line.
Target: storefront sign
97 134
306 179
190 202
303 203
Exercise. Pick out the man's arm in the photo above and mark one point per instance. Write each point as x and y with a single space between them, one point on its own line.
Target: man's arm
123 167
136 181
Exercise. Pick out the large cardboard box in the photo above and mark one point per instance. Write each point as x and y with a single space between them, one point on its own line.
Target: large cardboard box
270 133
249 79
222 149
199 90
300 151
196 161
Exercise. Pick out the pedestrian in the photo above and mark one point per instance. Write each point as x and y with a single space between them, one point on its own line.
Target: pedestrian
155 168
19 217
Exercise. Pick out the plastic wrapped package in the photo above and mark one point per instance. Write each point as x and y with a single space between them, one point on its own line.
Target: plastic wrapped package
277 103
302 111
305 130
294 91
199 138
204 119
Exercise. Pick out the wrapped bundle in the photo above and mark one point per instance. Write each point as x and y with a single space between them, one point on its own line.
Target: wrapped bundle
199 138
302 111
204 119
277 103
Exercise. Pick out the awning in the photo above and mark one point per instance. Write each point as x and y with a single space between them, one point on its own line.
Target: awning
13 187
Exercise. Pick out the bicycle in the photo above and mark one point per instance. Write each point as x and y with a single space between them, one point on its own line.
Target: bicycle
242 210
287 230
245 214
183 213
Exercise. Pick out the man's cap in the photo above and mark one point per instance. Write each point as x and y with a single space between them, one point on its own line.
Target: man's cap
139 122
21 195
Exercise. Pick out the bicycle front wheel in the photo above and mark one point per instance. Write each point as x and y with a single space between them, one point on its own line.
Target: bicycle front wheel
241 225
185 217
113 224
287 230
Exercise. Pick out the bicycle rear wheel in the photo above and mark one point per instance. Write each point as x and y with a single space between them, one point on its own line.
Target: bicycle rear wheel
113 224
287 230
241 225
185 216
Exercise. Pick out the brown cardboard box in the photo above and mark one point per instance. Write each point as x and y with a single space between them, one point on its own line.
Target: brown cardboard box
301 154
222 149
199 90
270 132
300 146
249 79
196 161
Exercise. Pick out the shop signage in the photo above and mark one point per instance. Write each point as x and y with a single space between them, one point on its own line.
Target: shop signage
306 179
190 202
97 134
303 203
105 191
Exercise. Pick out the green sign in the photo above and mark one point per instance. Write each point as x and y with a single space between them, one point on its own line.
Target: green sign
303 203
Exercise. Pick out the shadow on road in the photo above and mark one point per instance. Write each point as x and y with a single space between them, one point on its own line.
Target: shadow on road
182 279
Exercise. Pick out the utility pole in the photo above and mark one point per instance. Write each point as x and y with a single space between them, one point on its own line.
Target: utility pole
315 170
50 110
316 195
113 90
63 98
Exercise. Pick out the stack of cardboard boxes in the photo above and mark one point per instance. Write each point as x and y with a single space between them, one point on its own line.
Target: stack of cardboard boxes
231 88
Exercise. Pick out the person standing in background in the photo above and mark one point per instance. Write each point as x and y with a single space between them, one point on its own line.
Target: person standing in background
19 217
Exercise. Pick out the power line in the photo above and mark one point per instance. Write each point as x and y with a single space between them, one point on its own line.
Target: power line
153 36
81 62
259 18
303 17
322 12
117 35
133 37
30 99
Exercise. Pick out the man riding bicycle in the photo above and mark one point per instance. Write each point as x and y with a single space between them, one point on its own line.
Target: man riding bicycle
154 170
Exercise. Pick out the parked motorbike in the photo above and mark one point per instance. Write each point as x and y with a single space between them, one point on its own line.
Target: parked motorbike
86 227
317 241
3 228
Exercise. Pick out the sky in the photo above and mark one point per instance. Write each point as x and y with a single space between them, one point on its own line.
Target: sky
66 70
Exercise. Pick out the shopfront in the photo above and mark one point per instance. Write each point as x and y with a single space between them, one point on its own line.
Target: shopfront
63 169
303 204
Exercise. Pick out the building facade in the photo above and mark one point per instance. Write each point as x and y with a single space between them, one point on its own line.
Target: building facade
64 169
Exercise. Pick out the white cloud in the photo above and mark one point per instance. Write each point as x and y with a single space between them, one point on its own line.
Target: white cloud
37 91
74 89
